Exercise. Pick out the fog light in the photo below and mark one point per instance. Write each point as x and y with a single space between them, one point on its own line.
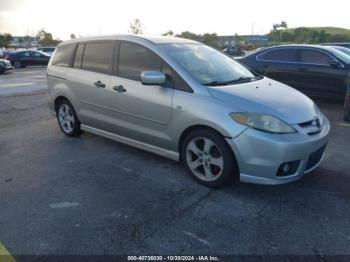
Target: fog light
285 168
288 168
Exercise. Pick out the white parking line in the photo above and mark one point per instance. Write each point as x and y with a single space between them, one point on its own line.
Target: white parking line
19 84
64 204
343 124
203 241
38 76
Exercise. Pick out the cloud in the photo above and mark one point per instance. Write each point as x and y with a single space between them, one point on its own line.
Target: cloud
8 6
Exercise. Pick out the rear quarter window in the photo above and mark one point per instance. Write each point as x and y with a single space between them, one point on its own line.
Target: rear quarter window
63 55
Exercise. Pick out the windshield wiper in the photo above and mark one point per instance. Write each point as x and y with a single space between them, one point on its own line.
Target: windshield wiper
242 79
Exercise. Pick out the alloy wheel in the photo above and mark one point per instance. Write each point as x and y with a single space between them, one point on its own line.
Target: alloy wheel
204 159
66 118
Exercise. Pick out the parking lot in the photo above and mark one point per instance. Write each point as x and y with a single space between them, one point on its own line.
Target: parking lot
93 196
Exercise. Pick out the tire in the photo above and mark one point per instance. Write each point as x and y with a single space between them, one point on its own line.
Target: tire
67 118
18 65
208 158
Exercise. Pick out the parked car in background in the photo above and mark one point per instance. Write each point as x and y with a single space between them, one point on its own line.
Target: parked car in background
233 51
313 70
186 101
346 44
28 57
47 50
5 65
5 53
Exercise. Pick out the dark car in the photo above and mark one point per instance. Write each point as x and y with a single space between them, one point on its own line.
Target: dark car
313 70
28 57
346 44
233 51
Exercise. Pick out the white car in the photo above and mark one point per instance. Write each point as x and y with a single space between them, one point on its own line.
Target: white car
5 65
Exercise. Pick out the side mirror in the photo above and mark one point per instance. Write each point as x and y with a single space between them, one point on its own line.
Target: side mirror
152 78
334 64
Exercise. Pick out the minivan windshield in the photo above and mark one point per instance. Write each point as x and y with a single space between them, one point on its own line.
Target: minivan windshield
208 66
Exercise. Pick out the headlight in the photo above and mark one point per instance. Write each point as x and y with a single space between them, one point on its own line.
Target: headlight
2 63
263 122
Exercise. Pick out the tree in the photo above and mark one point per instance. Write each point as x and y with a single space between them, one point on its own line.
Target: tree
238 40
277 34
5 40
46 39
189 35
169 33
136 27
210 39
72 36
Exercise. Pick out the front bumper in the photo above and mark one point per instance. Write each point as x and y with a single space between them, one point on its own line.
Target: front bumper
259 154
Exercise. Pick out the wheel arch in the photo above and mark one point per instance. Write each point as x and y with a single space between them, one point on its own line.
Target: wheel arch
193 128
60 98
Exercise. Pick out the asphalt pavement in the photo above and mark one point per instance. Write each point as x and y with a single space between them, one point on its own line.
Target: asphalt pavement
93 196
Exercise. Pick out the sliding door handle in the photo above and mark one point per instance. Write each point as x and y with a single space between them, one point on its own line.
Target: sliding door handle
119 89
99 84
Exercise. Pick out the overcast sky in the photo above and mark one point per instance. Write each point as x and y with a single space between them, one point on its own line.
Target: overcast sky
225 17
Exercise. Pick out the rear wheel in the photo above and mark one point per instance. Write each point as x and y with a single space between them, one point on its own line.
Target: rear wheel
18 65
67 118
208 158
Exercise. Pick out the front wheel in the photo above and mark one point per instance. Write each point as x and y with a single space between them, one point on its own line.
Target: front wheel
18 65
208 158
67 118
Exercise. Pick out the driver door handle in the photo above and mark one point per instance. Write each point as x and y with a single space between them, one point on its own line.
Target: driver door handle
119 89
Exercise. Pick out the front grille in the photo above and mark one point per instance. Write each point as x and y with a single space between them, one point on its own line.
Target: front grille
315 157
305 124
312 127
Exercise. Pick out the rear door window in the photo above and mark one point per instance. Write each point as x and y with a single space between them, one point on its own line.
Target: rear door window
315 57
134 59
282 55
97 57
63 55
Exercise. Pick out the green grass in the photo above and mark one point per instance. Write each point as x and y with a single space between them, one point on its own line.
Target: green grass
328 29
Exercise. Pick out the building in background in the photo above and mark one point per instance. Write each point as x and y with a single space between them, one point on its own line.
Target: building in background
255 41
24 42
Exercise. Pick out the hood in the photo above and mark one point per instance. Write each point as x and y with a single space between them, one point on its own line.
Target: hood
269 97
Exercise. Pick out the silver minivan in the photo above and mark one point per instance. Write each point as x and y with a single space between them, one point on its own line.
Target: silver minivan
188 102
